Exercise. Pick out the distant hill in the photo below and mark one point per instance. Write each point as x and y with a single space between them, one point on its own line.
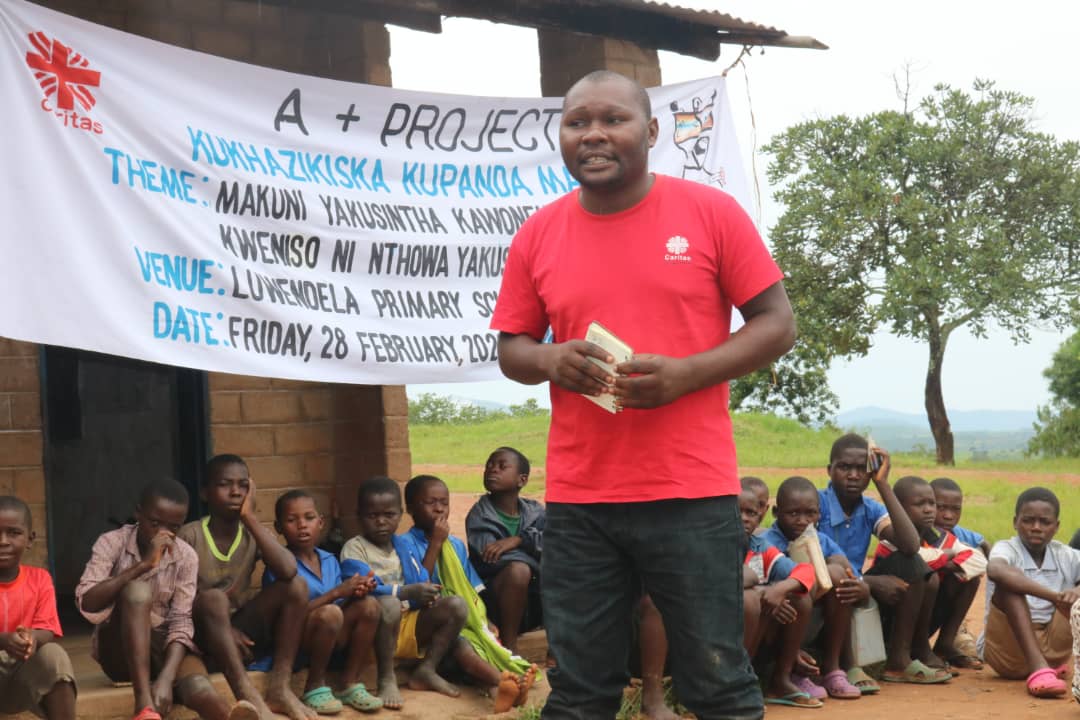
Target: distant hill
991 433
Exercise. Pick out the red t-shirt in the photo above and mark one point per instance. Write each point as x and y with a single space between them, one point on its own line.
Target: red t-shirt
29 601
663 276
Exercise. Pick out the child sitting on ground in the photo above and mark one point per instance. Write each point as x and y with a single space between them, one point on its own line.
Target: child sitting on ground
505 533
235 623
900 581
137 589
943 556
796 509
445 561
415 622
1031 588
954 642
776 601
35 672
761 490
341 615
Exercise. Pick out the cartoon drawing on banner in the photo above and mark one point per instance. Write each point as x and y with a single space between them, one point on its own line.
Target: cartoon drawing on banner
693 132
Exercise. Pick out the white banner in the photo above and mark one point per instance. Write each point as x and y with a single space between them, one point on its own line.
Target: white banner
173 206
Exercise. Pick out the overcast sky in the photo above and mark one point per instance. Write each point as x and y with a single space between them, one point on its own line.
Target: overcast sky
1023 47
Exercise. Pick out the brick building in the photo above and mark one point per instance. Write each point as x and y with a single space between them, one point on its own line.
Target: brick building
80 432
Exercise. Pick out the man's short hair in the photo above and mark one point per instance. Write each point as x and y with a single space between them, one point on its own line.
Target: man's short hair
906 485
792 485
597 76
376 485
10 502
218 463
165 489
946 484
1038 494
851 441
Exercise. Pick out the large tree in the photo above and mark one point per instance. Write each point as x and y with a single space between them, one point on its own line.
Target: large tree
954 213
1057 432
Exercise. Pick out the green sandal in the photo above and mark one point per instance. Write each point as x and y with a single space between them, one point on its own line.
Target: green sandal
358 698
322 701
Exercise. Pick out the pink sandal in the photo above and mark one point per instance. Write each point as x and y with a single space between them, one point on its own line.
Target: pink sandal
808 686
837 685
1045 683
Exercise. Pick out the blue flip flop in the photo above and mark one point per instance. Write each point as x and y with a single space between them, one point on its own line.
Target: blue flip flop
795 699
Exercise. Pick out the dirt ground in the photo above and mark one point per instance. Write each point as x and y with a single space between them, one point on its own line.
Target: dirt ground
975 695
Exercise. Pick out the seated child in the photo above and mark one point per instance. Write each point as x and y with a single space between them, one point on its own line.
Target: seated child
1031 587
898 582
761 490
945 607
776 601
444 560
415 622
35 673
796 509
138 590
340 613
954 642
505 533
235 623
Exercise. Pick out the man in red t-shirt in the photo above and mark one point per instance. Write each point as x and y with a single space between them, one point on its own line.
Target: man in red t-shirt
645 498
35 672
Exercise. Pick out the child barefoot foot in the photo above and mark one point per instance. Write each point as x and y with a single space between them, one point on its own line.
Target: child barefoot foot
285 702
652 702
389 694
506 691
424 678
525 683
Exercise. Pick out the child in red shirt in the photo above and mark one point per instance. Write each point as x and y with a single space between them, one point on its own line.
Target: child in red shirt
35 672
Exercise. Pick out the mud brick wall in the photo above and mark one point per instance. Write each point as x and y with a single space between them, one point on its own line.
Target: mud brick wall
566 56
22 471
325 438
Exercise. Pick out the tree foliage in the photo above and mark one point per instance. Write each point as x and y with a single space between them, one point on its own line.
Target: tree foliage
1057 430
432 409
956 213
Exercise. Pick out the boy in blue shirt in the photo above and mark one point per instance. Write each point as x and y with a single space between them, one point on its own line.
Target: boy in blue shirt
797 508
341 615
851 519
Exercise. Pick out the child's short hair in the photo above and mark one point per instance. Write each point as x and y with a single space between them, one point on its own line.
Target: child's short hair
906 485
10 502
165 489
415 486
851 441
376 485
218 463
1038 494
750 482
288 497
522 461
794 484
946 484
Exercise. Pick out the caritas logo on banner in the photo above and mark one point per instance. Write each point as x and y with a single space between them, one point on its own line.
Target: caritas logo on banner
66 77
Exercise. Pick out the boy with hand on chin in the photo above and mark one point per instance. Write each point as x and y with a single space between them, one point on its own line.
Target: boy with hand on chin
137 589
35 672
1031 589
505 533
234 622
900 582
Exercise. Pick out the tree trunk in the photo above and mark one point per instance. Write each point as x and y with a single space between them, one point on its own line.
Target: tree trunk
935 403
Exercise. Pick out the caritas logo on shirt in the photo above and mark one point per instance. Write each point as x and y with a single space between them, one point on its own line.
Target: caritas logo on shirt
676 247
65 77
